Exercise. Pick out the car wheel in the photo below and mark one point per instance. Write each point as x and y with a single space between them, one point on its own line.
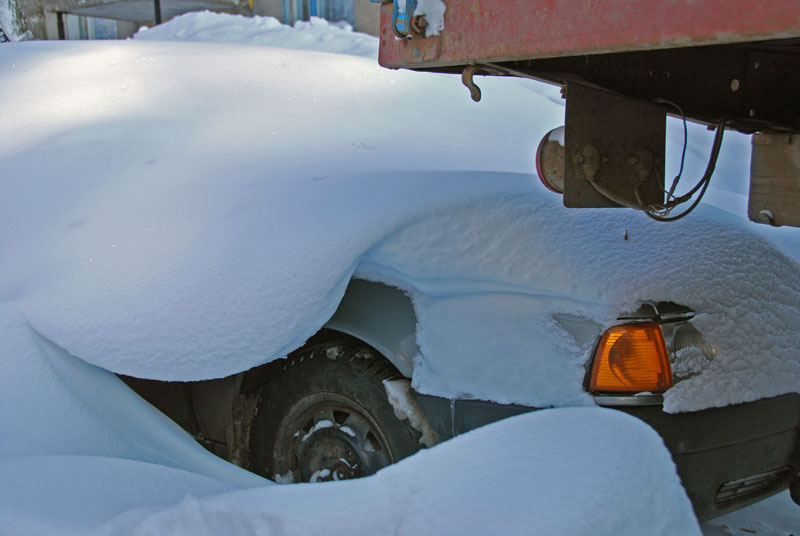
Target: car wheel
325 416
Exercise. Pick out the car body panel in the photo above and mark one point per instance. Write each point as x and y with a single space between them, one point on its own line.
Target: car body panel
381 316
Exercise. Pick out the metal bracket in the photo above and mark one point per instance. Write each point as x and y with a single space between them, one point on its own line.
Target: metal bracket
614 150
402 17
775 179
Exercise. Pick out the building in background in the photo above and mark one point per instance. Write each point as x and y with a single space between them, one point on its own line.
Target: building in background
363 15
118 19
11 23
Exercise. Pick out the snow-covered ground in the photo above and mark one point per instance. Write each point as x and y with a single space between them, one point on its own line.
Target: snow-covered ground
316 34
155 196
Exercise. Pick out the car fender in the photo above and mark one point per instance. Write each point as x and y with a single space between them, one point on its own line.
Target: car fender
381 316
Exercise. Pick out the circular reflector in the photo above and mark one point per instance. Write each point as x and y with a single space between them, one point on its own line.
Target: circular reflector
550 160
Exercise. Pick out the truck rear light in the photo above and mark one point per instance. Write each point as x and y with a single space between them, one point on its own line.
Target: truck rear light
550 160
631 358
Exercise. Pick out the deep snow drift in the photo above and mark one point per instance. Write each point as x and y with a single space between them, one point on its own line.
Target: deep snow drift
188 211
544 483
154 197
316 34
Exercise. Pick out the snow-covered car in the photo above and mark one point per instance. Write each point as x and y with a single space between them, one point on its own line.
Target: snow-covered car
249 239
341 406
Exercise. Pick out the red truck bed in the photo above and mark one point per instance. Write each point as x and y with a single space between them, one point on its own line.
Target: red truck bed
477 31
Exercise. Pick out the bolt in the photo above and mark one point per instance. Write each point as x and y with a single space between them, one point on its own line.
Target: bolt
735 85
418 24
756 65
752 112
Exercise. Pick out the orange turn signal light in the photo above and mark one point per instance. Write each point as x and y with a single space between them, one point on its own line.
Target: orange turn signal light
631 358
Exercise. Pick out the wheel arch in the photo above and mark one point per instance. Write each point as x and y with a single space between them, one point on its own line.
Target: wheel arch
379 315
383 317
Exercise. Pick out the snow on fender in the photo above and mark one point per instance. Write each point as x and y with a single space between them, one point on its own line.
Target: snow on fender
560 471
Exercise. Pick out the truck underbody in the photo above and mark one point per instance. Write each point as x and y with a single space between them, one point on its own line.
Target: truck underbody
624 66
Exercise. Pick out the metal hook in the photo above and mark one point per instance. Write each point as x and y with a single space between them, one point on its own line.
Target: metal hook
466 79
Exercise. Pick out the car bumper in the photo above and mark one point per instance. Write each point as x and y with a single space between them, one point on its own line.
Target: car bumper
733 456
726 457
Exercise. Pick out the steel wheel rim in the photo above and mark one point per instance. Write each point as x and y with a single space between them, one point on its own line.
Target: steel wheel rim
328 436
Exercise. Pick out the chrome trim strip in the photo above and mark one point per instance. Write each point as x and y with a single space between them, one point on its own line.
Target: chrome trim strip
629 400
743 487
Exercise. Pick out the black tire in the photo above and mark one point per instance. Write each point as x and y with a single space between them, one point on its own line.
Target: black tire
325 415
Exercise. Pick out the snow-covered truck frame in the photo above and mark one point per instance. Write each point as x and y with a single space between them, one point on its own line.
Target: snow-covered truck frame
624 65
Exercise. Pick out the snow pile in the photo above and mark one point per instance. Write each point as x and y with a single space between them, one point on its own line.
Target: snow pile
515 269
187 211
546 482
72 434
775 516
316 34
185 260
83 455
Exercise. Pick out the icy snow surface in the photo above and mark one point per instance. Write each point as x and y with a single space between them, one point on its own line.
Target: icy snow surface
188 211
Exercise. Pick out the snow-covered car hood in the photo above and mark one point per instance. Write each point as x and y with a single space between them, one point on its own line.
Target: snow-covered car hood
187 211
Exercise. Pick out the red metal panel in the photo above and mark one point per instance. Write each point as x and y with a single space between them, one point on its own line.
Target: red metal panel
502 30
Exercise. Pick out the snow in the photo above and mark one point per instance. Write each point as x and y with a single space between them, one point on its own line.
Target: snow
405 407
189 210
433 10
226 177
326 424
557 134
776 516
72 432
315 34
548 470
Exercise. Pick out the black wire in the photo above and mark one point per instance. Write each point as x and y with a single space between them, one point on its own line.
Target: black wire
685 143
683 158
704 182
682 214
